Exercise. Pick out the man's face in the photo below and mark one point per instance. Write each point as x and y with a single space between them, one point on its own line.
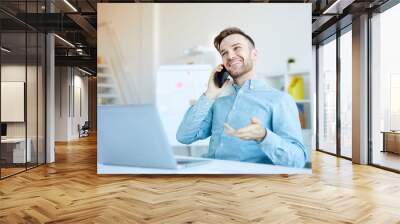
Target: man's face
238 55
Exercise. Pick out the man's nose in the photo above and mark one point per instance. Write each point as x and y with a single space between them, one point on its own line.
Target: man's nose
231 55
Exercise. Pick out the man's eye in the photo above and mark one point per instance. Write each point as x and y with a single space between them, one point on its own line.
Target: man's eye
236 48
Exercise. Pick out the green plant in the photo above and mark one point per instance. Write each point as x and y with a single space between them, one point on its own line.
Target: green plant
291 60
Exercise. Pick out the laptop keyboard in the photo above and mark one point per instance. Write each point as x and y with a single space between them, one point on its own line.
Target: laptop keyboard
189 161
183 161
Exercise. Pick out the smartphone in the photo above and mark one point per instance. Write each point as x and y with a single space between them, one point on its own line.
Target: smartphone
221 77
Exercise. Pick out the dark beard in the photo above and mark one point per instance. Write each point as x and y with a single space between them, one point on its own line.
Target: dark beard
243 70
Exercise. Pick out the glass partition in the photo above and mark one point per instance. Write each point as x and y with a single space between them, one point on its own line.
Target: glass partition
41 107
22 87
14 152
327 97
346 94
31 100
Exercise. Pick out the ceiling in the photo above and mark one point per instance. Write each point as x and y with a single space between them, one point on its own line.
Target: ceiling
77 22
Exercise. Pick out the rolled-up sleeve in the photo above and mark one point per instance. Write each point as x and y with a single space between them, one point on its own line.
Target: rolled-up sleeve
196 123
284 143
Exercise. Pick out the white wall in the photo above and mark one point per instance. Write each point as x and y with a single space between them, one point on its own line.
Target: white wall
61 103
79 117
66 101
17 73
130 49
14 73
279 31
33 127
314 97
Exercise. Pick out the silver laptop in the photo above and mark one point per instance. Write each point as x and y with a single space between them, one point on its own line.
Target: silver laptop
133 135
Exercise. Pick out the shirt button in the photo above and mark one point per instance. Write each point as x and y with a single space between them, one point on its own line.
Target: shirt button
221 144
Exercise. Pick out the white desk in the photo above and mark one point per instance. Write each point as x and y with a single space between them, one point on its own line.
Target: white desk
212 167
19 149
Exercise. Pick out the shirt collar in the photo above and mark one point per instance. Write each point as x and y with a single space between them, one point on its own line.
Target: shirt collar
250 84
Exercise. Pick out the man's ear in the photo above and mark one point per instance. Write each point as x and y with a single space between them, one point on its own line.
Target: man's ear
254 54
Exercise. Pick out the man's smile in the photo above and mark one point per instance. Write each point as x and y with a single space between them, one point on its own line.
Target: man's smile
235 63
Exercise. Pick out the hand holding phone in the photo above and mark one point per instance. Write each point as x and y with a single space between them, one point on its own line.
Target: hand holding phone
216 82
221 77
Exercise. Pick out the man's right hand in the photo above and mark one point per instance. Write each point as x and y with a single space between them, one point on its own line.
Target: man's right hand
213 91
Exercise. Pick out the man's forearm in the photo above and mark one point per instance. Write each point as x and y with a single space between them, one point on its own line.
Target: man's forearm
284 151
196 123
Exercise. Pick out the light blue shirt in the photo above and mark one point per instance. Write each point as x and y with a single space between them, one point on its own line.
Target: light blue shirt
277 111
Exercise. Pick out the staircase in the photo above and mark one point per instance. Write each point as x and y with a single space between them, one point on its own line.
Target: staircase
108 92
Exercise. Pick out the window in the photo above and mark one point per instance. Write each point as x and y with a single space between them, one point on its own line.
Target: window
327 97
346 94
385 89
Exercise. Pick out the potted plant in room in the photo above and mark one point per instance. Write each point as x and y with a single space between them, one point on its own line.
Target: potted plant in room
290 63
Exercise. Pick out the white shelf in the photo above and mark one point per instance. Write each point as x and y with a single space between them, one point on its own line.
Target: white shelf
277 76
185 67
303 73
281 82
105 85
107 95
103 75
303 101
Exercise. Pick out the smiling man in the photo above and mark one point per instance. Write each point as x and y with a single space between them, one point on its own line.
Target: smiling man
254 123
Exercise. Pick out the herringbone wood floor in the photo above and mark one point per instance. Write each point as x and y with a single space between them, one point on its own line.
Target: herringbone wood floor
70 191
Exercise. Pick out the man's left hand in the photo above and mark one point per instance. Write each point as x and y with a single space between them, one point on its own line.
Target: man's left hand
253 131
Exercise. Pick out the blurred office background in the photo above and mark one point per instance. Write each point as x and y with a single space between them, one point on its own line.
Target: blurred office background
164 54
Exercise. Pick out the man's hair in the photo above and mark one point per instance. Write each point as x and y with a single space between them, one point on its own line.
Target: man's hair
229 31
